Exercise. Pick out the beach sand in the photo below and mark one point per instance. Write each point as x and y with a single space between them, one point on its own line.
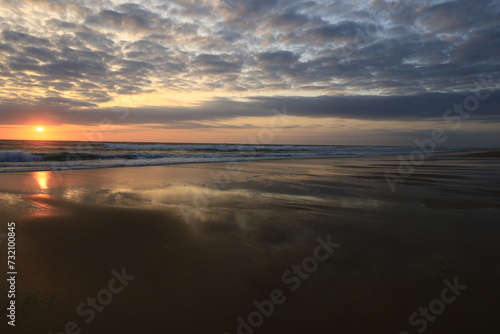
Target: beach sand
200 243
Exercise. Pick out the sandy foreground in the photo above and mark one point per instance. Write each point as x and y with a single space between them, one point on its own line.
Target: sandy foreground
309 246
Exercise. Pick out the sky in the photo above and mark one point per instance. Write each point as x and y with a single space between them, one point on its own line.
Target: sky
227 71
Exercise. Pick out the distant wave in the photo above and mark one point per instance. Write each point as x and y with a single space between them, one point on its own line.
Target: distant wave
105 155
215 147
67 156
18 156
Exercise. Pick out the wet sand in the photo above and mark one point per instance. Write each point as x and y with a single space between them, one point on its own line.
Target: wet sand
200 243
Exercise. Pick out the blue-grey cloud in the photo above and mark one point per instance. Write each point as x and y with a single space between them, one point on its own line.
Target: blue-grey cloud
427 106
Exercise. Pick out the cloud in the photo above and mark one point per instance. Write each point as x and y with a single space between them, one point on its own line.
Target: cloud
42 54
22 38
365 59
130 17
342 31
250 7
217 64
289 19
6 48
428 106
277 58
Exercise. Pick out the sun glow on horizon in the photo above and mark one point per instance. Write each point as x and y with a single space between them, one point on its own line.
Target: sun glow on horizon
39 129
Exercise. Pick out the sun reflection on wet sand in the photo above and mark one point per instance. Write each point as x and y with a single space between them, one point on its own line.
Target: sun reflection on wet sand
42 178
42 206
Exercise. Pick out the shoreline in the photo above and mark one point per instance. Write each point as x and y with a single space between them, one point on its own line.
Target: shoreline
203 248
484 153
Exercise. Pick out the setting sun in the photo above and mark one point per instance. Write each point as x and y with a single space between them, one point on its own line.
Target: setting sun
39 129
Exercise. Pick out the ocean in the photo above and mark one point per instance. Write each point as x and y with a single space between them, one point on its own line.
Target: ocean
37 155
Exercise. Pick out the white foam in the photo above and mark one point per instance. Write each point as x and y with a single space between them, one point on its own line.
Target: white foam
18 156
20 161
